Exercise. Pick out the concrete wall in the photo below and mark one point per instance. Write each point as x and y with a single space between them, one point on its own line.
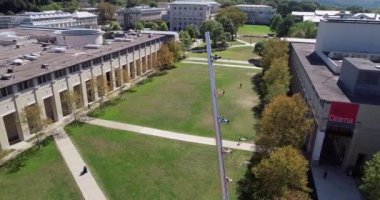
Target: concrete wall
348 37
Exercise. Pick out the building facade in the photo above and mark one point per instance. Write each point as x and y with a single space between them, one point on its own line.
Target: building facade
184 13
51 19
340 82
128 17
44 76
258 14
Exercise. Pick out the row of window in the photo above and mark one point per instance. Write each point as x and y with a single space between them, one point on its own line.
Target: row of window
185 8
63 72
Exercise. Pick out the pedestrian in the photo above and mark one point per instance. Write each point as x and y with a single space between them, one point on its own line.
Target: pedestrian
241 85
84 171
223 92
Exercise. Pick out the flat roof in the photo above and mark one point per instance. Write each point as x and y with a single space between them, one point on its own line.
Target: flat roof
253 6
56 61
364 64
323 80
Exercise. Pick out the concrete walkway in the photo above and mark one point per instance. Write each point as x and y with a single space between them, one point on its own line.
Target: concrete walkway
223 65
168 134
87 184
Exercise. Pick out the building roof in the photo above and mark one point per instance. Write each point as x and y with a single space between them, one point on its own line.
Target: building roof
297 13
56 61
193 3
323 80
82 14
364 64
253 6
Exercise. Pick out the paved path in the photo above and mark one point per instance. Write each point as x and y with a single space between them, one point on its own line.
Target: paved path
222 65
219 60
246 43
168 134
87 184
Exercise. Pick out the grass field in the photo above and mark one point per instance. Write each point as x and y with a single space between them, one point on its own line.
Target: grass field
132 166
254 30
238 53
252 39
42 175
181 101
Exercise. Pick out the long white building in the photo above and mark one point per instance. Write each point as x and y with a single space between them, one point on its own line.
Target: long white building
257 14
39 74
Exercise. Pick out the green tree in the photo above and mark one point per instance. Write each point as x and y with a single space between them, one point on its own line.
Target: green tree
166 58
284 122
192 30
294 195
259 47
371 178
115 26
139 26
151 25
52 6
284 26
185 39
228 26
274 48
306 29
215 29
276 20
176 49
284 170
164 26
132 3
106 11
277 78
72 6
235 14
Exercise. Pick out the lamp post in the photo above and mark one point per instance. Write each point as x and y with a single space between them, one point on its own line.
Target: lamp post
219 146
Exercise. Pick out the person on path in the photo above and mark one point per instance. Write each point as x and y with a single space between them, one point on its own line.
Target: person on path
241 85
84 171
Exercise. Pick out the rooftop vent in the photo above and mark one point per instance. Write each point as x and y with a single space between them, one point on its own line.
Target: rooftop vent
45 66
6 77
30 57
377 66
10 71
59 49
91 46
123 40
17 62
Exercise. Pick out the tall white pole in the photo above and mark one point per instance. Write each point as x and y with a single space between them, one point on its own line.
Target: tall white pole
219 146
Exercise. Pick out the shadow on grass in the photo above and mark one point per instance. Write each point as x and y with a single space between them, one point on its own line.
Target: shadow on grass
259 88
15 165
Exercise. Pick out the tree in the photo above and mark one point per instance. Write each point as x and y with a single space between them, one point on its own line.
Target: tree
284 122
139 26
32 115
294 195
74 100
274 48
215 29
277 78
52 6
72 6
284 26
185 39
276 20
371 178
106 11
228 26
115 26
235 14
132 3
259 47
151 25
164 26
166 58
192 30
103 88
306 29
176 49
284 170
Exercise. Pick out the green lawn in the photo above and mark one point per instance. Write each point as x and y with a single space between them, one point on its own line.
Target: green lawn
132 166
254 30
181 101
42 175
237 53
252 39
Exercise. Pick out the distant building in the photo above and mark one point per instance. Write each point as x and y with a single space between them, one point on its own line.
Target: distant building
339 77
318 15
128 17
184 13
257 14
51 19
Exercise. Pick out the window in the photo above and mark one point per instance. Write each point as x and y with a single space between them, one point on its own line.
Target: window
74 68
107 57
25 85
97 61
123 52
86 64
60 73
6 91
115 54
130 50
44 78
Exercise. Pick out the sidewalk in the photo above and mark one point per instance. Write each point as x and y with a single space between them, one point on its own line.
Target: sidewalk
223 65
219 60
168 134
87 184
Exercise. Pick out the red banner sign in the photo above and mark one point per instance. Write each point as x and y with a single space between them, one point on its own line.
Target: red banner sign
343 112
